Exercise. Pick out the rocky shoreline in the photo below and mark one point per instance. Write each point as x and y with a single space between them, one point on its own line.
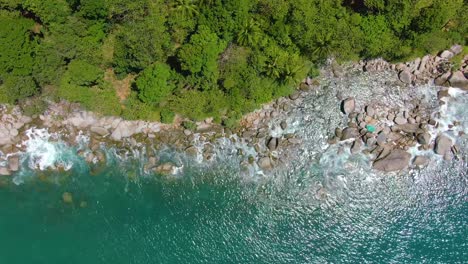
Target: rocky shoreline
385 135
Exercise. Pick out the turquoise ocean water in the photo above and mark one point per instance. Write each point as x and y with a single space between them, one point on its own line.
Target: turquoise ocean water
215 218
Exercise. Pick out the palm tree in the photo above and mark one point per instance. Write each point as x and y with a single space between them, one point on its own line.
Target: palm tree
249 33
323 45
186 8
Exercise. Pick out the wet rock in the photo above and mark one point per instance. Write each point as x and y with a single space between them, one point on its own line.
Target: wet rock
187 132
356 147
192 151
458 79
165 168
338 132
348 105
407 128
397 160
273 143
4 171
294 96
381 139
294 141
67 197
283 125
432 122
13 163
370 111
443 144
99 130
265 163
448 156
443 93
405 76
400 120
424 138
421 161
442 79
349 132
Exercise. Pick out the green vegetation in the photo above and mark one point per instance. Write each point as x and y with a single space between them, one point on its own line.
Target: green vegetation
200 58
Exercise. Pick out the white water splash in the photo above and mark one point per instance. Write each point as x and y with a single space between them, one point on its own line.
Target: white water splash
44 153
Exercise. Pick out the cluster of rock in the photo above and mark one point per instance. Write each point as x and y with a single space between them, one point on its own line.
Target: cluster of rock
428 69
11 123
386 135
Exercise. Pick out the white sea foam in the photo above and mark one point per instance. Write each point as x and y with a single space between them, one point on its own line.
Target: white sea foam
44 153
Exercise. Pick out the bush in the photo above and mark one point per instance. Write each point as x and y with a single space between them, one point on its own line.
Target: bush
34 106
189 125
167 116
15 88
84 74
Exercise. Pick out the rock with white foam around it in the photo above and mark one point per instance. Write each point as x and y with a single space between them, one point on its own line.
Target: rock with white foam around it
406 76
443 144
397 160
458 79
348 105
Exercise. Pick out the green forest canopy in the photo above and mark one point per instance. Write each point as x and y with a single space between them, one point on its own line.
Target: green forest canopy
201 58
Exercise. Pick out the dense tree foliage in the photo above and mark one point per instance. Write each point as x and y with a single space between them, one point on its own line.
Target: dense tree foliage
202 58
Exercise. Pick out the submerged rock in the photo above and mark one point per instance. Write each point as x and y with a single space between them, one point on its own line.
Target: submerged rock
4 171
265 163
397 160
67 197
165 168
420 161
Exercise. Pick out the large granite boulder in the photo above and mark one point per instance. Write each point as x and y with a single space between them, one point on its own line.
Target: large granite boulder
348 105
443 144
458 79
397 160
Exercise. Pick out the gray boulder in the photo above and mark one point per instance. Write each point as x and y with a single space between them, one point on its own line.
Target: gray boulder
400 120
99 130
408 128
456 49
13 163
458 79
349 132
4 171
424 138
443 144
397 160
124 129
420 161
370 111
348 105
272 143
446 54
265 163
165 168
406 76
